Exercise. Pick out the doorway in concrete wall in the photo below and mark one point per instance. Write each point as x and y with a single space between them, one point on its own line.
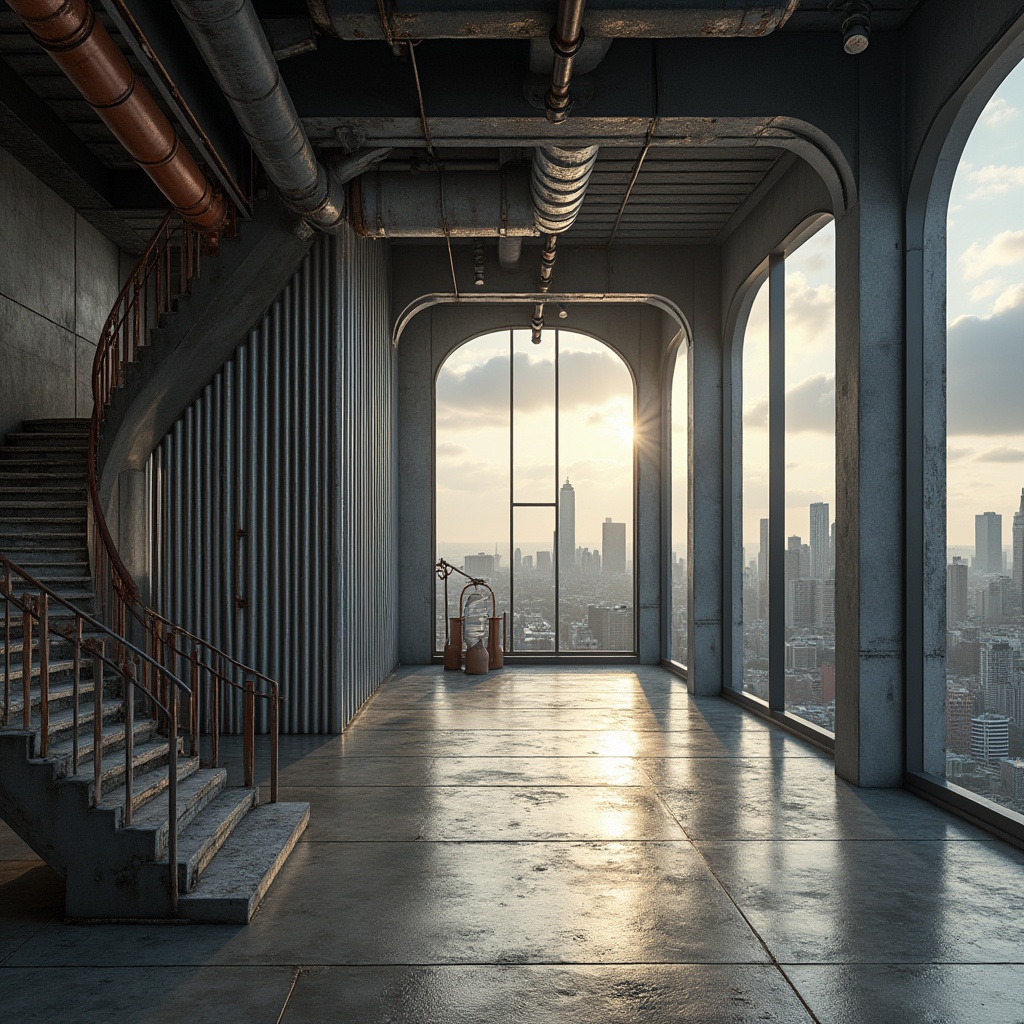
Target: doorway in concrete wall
535 487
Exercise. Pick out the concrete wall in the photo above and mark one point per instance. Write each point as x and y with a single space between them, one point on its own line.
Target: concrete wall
644 335
59 278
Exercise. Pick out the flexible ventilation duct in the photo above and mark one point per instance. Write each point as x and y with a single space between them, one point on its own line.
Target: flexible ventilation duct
83 50
231 39
435 204
559 184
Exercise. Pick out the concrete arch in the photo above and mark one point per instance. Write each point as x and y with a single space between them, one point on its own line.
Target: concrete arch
935 165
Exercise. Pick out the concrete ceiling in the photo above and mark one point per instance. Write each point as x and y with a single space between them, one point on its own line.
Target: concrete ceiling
351 93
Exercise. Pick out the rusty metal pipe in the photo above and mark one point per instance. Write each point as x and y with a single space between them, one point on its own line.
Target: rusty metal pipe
82 48
567 38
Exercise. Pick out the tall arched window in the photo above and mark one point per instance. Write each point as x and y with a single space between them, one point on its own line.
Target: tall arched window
984 700
679 411
788 481
535 486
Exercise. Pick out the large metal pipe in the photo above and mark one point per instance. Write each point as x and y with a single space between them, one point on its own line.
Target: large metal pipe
566 40
559 184
463 204
230 37
82 48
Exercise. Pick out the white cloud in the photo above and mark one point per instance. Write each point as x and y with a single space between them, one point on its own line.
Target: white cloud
994 180
1006 249
810 314
953 453
810 407
987 289
1002 454
985 367
998 112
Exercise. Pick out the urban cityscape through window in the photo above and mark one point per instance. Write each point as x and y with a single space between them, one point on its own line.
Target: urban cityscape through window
534 486
984 698
807 476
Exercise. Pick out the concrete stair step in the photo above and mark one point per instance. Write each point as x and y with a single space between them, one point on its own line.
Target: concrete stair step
194 794
230 890
67 585
62 722
146 757
111 743
146 788
68 478
70 524
59 439
40 458
69 424
209 831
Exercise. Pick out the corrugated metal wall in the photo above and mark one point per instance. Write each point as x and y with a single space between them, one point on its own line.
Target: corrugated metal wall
274 525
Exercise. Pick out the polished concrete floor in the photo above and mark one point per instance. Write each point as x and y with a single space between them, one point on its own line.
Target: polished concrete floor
540 846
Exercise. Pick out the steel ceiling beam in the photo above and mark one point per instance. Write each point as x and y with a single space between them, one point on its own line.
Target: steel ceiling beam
492 19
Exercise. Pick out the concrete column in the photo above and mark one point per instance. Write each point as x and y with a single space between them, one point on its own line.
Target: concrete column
869 441
705 523
415 493
649 554
133 527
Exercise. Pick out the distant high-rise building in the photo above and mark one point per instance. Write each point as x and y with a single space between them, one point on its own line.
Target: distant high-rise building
612 628
990 738
1018 556
956 592
959 712
1011 777
480 565
791 564
566 529
998 670
988 543
762 572
527 561
517 558
613 548
819 540
544 562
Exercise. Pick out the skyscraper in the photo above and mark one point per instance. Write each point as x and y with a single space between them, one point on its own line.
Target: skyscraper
956 592
762 572
990 738
1018 555
613 546
988 543
567 529
819 540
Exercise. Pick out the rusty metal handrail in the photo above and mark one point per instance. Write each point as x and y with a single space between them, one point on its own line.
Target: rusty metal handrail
124 659
164 273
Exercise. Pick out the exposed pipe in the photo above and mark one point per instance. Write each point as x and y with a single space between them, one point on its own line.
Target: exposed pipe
231 39
566 40
558 182
82 48
464 204
509 251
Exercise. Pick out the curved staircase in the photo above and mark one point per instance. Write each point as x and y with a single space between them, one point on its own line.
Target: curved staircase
108 776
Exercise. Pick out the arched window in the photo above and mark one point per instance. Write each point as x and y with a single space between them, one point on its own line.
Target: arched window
984 699
535 487
788 486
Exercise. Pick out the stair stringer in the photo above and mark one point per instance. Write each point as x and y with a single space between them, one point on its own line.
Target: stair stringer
192 342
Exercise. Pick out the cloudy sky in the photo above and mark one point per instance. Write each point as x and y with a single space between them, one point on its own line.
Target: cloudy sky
810 393
985 311
595 436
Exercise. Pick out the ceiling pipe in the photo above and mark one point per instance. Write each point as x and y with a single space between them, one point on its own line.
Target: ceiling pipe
232 42
460 204
560 174
82 48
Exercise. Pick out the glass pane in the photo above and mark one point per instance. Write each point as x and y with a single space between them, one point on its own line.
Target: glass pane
678 636
533 614
810 480
472 494
595 499
755 498
533 417
984 698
